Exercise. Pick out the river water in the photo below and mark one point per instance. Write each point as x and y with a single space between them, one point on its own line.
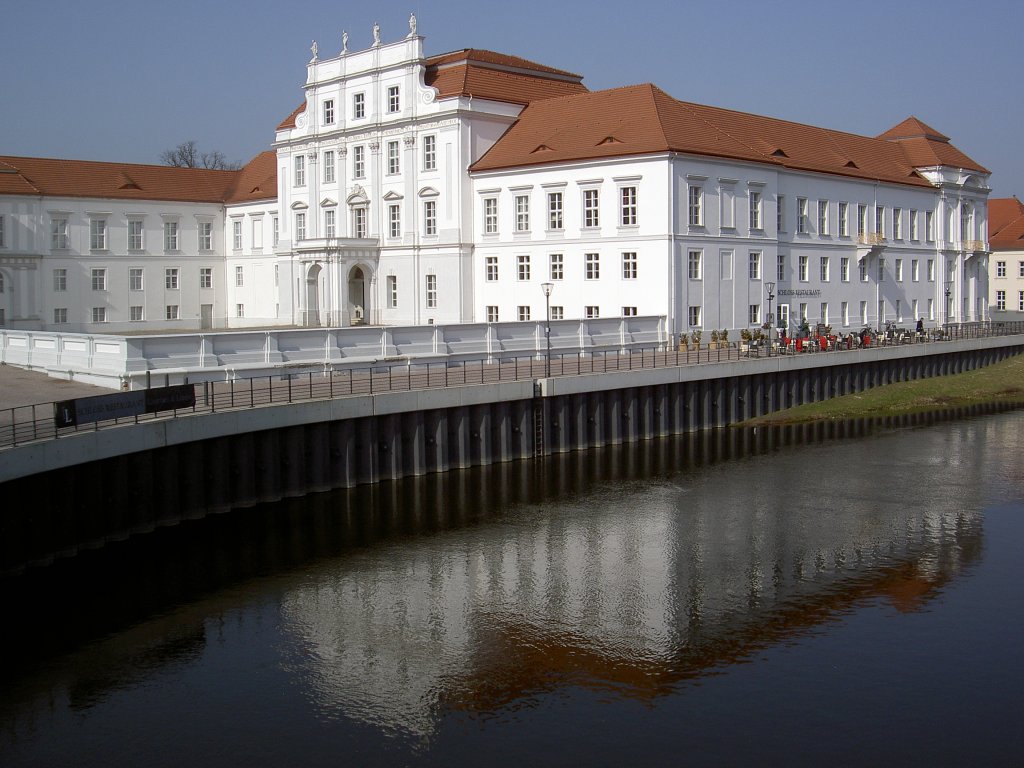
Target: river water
835 595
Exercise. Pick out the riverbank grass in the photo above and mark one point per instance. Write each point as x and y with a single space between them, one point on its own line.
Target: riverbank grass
999 383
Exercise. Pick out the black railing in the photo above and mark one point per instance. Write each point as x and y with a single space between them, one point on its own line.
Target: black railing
31 423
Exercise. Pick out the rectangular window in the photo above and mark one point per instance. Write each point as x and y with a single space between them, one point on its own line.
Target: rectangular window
429 153
135 279
431 291
523 268
1020 301
359 162
277 279
803 311
591 312
629 311
931 270
557 266
627 212
99 279
899 311
492 313
394 221
880 220
780 214
393 164
523 312
824 312
392 283
755 210
593 265
557 312
359 106
929 226
300 170
490 215
1020 269
59 234
881 270
275 226
693 316
1000 269
754 315
1001 300
844 310
823 217
864 313
300 226
915 271
394 104
629 265
239 310
329 167
170 235
236 232
754 265
801 215
695 268
359 222
881 311
330 222
864 271
522 213
134 235
844 269
205 236
3 242
590 208
328 111
555 210
429 217
135 313
60 280
696 206
862 220
823 269
844 219
899 270
897 223
802 265
780 272
171 312
206 277
491 268
913 224
99 314
914 313
97 234
171 278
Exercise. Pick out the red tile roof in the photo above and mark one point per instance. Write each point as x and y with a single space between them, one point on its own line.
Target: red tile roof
37 176
926 148
643 119
487 75
1006 224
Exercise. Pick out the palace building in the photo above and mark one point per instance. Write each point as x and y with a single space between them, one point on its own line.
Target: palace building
409 189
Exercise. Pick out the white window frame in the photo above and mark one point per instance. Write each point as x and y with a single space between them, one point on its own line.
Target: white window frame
394 99
523 268
592 266
556 266
490 214
394 159
522 213
556 211
171 279
299 162
629 265
591 208
430 152
628 206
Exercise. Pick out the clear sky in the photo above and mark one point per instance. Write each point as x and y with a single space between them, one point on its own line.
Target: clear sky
114 80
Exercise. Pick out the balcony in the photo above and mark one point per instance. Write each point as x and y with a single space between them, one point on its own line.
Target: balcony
973 245
871 238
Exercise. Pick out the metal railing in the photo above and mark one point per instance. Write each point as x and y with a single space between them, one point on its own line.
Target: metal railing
31 423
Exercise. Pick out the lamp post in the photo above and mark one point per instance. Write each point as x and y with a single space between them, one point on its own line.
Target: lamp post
949 290
547 288
769 288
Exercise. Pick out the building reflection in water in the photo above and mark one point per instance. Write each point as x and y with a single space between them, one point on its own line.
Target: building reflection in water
630 570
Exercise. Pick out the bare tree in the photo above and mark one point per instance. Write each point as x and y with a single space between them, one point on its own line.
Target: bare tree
187 155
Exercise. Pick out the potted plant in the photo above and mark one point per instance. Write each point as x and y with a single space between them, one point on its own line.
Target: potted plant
696 337
724 337
714 339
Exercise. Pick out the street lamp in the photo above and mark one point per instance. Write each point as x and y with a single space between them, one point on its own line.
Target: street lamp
769 288
547 288
949 290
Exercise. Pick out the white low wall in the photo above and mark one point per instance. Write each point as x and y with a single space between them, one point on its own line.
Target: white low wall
134 362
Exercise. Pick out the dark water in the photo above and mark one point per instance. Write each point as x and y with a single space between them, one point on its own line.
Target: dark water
734 599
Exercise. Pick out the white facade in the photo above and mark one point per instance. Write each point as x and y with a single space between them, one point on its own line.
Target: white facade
376 219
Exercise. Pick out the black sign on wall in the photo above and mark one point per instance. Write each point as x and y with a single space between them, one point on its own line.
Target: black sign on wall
83 410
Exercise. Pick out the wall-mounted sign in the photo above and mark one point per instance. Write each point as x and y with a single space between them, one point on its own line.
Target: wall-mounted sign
800 292
82 410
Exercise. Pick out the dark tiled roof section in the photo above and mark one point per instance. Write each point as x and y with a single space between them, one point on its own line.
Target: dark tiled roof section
1006 224
487 75
86 178
643 119
257 180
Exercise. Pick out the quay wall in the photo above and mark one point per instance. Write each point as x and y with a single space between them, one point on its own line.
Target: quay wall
87 489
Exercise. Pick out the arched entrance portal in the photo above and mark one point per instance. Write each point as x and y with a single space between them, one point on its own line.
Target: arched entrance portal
359 310
311 312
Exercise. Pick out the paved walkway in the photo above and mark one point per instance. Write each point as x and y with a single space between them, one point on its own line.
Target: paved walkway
21 387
